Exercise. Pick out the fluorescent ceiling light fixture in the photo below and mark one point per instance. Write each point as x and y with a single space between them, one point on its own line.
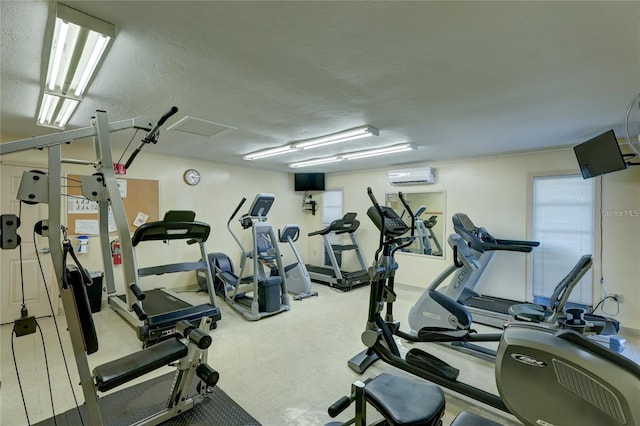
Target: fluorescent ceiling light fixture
68 106
315 162
346 135
77 46
357 155
380 151
268 152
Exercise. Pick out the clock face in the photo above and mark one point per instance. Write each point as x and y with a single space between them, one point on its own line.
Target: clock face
192 177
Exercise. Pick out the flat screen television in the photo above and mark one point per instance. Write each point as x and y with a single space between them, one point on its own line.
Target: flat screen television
308 181
599 155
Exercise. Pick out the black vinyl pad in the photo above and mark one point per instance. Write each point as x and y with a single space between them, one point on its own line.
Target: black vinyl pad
406 402
122 370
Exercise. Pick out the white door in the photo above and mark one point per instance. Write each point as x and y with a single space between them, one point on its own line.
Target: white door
14 283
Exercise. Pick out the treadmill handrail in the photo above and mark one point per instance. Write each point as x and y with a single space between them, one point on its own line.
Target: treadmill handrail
347 224
506 247
519 242
161 230
474 235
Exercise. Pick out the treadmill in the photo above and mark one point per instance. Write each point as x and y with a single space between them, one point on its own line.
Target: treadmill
332 274
496 311
154 313
488 310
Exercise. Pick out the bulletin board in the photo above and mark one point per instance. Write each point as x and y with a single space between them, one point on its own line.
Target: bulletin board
142 201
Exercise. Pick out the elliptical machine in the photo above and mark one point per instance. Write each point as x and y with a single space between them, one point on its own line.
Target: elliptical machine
296 274
378 336
547 375
424 234
261 294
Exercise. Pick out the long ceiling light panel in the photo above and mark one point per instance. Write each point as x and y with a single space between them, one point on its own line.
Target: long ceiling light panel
344 136
76 47
379 151
315 162
268 152
393 149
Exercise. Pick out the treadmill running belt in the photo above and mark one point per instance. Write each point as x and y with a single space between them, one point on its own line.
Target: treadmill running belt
490 304
159 302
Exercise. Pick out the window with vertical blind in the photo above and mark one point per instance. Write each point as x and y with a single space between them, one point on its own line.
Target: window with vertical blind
563 222
331 210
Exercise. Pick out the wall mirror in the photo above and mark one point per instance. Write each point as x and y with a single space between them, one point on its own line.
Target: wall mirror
429 210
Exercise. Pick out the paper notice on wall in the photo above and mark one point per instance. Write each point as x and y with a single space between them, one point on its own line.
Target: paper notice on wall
140 219
79 205
122 186
87 227
112 222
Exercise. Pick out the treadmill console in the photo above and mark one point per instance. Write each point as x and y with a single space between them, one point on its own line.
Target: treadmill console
393 225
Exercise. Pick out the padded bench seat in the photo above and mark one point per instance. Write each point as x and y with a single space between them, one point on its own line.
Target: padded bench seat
406 402
125 369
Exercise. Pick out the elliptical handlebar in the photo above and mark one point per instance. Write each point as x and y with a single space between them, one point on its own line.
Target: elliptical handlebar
235 212
391 225
413 223
379 210
151 136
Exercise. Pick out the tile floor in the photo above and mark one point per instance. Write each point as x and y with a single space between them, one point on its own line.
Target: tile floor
284 370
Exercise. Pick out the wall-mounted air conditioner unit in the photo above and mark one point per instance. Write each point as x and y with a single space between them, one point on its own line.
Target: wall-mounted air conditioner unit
418 176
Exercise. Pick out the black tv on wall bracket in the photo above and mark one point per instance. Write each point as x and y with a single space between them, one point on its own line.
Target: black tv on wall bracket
600 155
308 182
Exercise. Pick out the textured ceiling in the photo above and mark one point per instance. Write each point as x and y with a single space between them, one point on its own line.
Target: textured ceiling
458 79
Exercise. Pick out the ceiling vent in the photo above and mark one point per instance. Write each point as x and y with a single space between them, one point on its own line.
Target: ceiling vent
418 176
199 126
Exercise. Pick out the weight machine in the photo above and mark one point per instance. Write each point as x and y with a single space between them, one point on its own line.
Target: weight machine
190 357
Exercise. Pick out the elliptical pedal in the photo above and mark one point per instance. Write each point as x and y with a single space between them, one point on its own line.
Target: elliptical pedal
435 334
431 363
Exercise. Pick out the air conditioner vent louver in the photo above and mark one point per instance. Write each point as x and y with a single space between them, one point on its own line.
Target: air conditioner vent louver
416 176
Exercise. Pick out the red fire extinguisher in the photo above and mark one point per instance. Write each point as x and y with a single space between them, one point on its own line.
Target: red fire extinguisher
115 252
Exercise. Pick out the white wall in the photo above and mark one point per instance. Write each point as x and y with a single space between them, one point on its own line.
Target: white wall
214 199
494 193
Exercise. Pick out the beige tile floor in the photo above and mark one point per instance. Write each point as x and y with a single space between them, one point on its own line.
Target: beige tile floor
283 370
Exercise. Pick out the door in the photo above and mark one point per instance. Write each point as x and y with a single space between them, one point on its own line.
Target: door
30 281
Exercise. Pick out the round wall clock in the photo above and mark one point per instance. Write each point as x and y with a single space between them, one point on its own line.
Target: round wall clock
191 177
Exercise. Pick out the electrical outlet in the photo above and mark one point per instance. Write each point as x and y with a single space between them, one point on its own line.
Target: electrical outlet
617 297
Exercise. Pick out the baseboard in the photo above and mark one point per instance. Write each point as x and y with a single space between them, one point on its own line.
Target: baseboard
628 331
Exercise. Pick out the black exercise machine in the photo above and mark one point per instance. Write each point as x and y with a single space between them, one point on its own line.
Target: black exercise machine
187 353
162 308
